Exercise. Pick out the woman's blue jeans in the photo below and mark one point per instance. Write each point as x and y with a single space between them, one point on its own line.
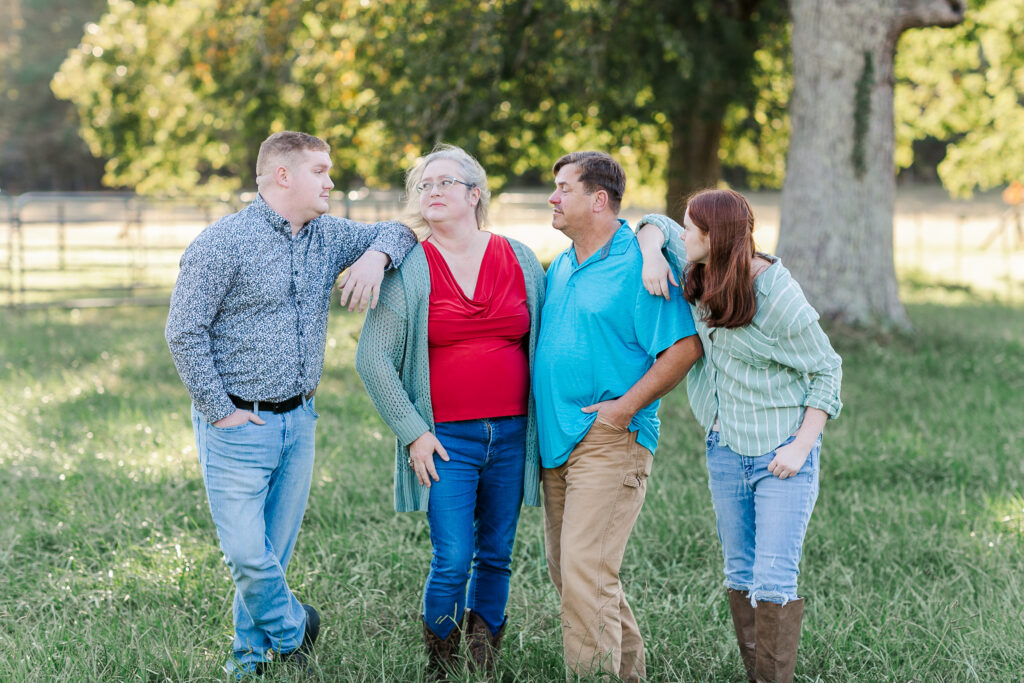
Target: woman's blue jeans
473 514
761 519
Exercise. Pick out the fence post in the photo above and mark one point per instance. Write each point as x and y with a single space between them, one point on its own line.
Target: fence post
18 293
133 235
919 241
1008 261
959 247
11 220
61 237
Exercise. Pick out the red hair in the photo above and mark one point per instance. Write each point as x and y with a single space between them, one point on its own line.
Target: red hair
723 286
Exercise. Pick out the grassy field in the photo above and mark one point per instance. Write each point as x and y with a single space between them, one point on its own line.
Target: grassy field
110 571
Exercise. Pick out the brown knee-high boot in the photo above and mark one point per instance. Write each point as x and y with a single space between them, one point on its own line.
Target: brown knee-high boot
743 621
777 634
442 654
483 646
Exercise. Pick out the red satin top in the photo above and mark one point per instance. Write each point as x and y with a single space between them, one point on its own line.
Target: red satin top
479 365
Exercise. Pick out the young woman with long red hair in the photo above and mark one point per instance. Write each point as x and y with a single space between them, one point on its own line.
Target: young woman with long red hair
768 382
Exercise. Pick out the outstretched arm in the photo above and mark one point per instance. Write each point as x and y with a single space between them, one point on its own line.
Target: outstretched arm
366 250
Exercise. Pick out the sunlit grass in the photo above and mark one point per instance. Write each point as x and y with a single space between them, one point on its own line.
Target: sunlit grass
110 570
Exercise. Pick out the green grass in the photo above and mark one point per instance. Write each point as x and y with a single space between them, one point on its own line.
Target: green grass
110 571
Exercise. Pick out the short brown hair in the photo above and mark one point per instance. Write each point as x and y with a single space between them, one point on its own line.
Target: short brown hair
598 171
285 145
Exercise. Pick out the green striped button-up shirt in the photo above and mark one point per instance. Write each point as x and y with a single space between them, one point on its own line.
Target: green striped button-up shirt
758 380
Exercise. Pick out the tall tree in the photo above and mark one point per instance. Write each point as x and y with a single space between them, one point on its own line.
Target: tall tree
838 196
39 144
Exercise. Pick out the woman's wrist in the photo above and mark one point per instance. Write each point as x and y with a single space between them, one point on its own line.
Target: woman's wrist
649 238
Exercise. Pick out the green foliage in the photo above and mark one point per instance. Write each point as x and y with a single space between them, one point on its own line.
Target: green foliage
110 570
757 130
965 86
179 94
39 143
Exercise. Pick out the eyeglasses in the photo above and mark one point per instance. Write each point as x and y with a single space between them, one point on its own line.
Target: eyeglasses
446 183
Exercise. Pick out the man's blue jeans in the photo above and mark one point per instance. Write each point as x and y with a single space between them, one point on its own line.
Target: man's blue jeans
473 514
761 519
257 481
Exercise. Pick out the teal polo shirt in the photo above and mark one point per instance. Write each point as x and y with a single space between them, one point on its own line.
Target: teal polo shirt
600 332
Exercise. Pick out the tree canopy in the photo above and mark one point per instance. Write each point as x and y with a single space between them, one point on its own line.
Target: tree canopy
39 143
965 86
178 94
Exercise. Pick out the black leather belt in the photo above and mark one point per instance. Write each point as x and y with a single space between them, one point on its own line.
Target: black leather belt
285 406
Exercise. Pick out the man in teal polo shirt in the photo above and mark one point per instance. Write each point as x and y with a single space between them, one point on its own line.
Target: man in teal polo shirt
606 353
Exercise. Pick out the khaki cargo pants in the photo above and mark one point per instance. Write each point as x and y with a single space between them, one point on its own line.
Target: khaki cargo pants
591 503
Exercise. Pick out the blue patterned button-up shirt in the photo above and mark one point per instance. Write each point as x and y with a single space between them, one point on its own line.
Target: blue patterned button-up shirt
248 315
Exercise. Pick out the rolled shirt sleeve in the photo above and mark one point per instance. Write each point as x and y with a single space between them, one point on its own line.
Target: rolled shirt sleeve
806 347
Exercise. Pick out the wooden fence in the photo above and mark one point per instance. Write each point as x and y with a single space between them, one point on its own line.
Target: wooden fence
104 249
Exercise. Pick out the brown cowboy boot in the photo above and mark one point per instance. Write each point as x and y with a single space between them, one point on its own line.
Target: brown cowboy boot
442 654
743 621
777 629
482 644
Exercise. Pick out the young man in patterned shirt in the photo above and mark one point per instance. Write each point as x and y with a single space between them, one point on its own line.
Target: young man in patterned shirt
247 329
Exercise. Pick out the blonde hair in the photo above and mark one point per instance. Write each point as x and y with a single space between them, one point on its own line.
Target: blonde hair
283 147
472 171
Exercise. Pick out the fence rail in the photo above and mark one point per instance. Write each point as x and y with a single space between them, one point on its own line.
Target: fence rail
105 249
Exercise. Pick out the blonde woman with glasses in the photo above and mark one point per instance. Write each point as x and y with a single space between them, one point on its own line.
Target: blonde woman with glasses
446 358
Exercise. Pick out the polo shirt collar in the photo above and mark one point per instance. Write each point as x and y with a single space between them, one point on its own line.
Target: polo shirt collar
618 244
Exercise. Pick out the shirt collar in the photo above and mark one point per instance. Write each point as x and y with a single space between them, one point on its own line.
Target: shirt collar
618 244
271 217
771 275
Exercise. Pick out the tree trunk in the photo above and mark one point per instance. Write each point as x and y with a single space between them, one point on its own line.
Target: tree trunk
839 192
693 162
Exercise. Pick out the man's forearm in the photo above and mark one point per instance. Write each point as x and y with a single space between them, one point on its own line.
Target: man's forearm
394 240
667 371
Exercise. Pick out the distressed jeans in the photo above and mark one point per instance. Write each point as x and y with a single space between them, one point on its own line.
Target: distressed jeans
257 480
591 503
761 519
473 514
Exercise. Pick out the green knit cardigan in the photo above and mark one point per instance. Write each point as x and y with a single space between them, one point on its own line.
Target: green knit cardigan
393 362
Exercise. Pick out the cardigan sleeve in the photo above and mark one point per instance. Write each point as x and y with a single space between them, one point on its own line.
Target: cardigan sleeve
379 359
